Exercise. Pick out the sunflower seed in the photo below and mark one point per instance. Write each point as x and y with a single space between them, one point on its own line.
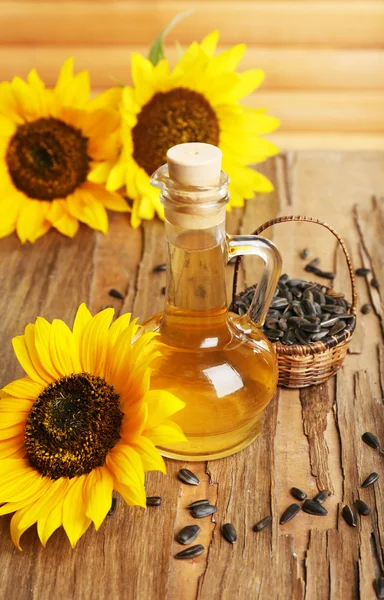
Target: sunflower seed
188 534
191 552
366 308
186 476
329 322
371 439
333 309
283 324
279 303
321 496
113 507
116 294
289 337
370 480
272 323
263 523
274 334
159 268
362 271
314 508
379 587
308 295
363 508
197 503
318 297
296 283
298 311
375 283
311 328
349 515
203 511
154 500
229 533
163 290
336 328
301 337
314 262
325 274
298 494
308 307
316 337
289 513
305 253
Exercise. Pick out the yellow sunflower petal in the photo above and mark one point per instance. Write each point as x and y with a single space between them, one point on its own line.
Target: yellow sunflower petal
167 433
52 519
11 445
125 464
75 521
83 316
61 219
14 406
32 222
7 127
63 349
72 90
16 533
150 457
142 70
92 346
100 171
84 206
209 43
134 421
116 176
98 495
110 200
161 405
24 388
25 350
108 99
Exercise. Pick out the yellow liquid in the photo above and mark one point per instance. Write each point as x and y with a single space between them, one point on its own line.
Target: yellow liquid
225 378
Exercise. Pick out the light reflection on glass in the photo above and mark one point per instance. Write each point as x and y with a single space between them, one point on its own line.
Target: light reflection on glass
224 379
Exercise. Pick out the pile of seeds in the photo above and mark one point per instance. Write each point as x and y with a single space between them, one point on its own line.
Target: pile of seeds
301 312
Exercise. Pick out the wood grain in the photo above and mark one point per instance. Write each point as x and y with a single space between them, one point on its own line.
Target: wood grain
323 24
311 438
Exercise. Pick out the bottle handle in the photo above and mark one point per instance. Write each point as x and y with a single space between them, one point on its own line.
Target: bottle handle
241 245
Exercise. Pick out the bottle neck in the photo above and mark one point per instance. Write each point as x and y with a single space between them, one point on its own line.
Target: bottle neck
195 289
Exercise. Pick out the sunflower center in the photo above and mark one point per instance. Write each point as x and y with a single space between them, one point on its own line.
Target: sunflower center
47 159
171 118
72 426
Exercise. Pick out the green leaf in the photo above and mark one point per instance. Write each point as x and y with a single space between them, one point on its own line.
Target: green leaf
156 52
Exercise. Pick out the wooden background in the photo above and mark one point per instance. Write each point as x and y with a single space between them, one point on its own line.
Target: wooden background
324 59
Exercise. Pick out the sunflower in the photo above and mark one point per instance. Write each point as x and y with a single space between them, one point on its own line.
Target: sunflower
198 101
81 424
52 142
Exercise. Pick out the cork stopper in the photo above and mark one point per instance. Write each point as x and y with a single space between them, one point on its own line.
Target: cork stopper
195 164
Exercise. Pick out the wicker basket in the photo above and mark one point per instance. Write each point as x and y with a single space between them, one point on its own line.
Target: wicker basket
302 365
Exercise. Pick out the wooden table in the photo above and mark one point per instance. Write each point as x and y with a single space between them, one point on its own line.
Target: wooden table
311 439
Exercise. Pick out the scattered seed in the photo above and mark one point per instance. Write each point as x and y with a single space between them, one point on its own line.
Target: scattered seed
362 271
366 308
379 587
289 513
371 439
159 268
305 253
188 534
321 496
314 508
186 476
381 451
370 480
363 508
203 511
262 524
191 552
154 500
116 294
113 507
197 503
229 533
163 290
375 283
298 494
349 515
314 262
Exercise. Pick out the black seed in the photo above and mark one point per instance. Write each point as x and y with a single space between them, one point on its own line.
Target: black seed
371 439
229 533
289 513
203 511
325 274
298 494
164 290
308 307
336 328
272 323
273 314
362 271
188 534
314 262
314 508
197 503
154 500
186 476
379 587
283 278
311 328
279 303
349 515
329 322
363 508
113 507
333 309
370 480
318 297
190 552
274 334
375 283
116 294
263 523
305 253
298 311
283 324
289 337
316 337
307 295
296 282
301 337
321 496
366 308
159 268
